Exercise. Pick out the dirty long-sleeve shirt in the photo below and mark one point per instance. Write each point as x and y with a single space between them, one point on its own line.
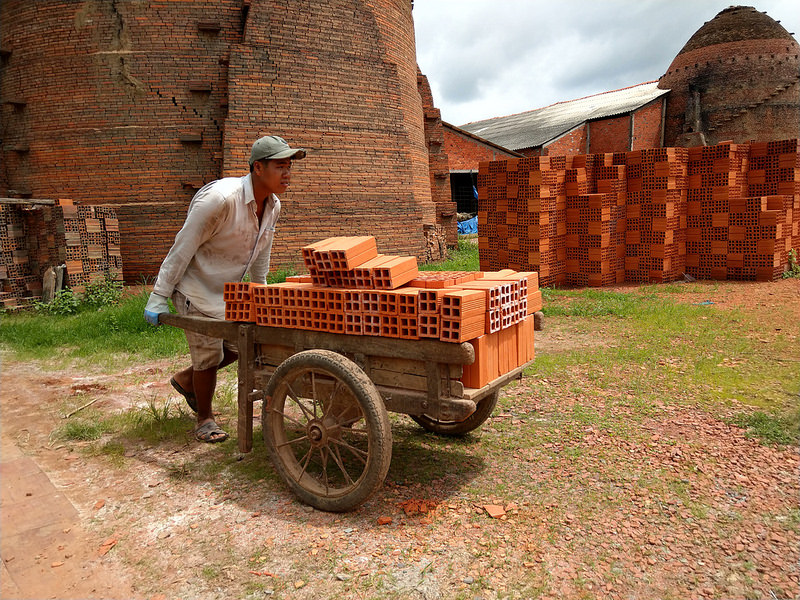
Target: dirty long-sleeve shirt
219 242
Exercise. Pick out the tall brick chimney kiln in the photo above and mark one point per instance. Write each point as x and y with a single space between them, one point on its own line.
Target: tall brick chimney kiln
737 78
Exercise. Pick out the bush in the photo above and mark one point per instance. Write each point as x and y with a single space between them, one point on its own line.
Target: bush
103 293
63 303
96 295
794 266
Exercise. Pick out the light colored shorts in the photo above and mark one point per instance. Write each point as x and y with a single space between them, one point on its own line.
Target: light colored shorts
206 352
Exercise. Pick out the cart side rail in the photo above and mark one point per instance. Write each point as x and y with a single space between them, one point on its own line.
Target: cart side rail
422 349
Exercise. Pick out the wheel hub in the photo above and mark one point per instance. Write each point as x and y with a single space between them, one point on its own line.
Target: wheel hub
317 433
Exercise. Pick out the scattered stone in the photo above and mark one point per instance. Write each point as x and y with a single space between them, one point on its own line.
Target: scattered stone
494 511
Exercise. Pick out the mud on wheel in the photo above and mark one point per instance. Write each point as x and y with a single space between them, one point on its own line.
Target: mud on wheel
482 412
327 430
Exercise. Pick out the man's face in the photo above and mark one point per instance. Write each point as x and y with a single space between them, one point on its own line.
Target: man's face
274 175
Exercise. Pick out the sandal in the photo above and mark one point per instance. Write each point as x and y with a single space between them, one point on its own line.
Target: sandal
210 433
191 400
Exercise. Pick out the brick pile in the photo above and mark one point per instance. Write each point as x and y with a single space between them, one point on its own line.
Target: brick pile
655 209
352 289
35 237
92 244
730 211
522 210
17 283
595 221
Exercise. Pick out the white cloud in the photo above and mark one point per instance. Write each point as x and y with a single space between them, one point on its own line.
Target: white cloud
489 58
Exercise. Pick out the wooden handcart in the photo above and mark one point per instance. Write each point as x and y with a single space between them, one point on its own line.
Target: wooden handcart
326 399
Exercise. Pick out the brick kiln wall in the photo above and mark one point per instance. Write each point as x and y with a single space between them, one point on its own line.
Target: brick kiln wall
137 104
340 81
761 105
108 90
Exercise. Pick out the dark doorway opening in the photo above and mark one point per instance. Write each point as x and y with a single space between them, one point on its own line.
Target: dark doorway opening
462 190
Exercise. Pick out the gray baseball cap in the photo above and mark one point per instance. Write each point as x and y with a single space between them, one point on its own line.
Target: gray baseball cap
272 147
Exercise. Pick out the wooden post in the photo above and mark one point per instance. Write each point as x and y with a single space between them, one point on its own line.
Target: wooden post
48 285
246 367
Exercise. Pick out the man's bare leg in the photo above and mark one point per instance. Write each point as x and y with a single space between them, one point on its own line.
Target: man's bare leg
185 378
202 384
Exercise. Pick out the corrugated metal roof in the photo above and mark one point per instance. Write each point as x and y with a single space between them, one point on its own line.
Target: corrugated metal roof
537 127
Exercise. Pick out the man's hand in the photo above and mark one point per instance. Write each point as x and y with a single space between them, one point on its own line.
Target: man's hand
156 305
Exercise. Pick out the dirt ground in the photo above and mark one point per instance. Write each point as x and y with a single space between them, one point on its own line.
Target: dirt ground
151 533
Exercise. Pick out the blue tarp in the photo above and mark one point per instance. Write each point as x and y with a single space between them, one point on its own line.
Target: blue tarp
470 226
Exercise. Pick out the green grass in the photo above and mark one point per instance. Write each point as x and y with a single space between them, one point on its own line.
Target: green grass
463 258
87 428
101 337
649 344
772 429
104 336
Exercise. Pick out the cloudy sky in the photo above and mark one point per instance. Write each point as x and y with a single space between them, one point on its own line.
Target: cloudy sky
491 58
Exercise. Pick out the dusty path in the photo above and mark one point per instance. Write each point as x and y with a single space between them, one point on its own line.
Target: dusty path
161 525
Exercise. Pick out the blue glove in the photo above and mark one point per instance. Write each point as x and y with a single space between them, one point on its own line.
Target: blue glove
156 305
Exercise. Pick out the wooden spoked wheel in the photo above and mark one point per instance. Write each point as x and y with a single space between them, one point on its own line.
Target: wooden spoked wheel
327 430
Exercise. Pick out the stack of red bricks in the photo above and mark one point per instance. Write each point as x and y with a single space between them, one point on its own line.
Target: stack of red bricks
91 242
17 283
37 236
655 202
351 289
595 221
773 202
721 212
523 206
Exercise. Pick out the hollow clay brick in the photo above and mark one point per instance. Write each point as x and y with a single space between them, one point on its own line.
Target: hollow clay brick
395 272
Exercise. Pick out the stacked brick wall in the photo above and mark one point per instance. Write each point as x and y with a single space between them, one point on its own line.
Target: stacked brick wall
655 209
595 221
91 243
720 212
743 210
136 103
20 275
438 161
35 237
